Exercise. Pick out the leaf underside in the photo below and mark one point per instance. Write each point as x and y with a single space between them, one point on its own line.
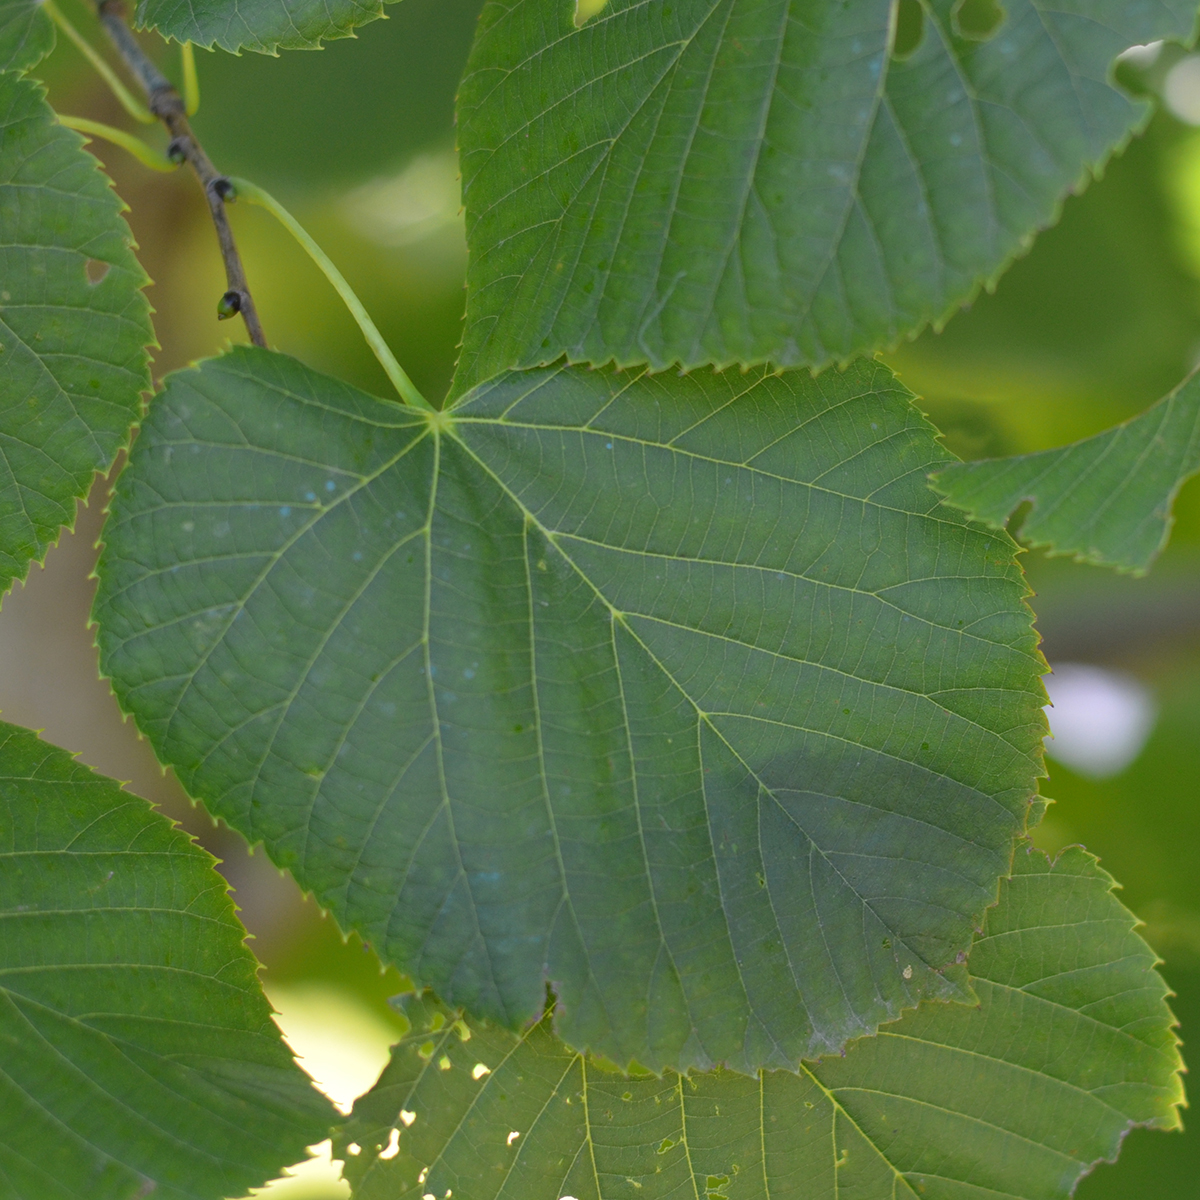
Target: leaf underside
1105 500
73 353
137 1051
681 695
26 34
265 26
1071 1046
749 181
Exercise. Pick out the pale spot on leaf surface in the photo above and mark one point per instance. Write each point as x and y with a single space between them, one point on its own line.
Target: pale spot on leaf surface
585 10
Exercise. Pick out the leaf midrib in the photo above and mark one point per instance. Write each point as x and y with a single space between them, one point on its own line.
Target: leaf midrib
554 537
701 715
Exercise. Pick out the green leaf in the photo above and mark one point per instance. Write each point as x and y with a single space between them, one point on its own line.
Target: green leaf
1070 1047
73 353
721 181
682 695
1106 499
138 1052
266 26
26 34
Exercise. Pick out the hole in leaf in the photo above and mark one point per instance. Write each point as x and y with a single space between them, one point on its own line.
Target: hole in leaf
585 10
977 20
393 1146
1017 518
96 270
910 29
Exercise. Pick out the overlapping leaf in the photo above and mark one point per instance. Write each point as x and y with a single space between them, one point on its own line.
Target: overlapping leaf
681 695
1071 1046
1106 499
137 1051
720 181
266 26
73 352
26 34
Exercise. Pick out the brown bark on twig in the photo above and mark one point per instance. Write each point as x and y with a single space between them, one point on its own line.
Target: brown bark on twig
167 105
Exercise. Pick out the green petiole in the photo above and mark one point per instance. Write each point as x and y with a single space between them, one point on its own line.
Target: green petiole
395 372
129 103
145 154
191 81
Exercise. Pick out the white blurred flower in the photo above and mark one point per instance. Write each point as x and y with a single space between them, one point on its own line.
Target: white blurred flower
1099 719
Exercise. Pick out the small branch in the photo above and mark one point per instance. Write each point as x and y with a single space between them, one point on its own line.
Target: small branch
167 105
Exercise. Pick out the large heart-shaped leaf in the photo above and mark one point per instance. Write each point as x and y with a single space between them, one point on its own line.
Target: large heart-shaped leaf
1106 499
1070 1047
682 695
137 1051
720 181
26 34
267 26
73 352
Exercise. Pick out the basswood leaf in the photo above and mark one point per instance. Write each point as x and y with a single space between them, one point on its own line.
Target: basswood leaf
73 352
26 34
1070 1047
721 181
138 1051
266 26
1106 499
682 695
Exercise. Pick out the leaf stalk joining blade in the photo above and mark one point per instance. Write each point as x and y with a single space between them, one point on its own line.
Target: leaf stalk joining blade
404 386
191 81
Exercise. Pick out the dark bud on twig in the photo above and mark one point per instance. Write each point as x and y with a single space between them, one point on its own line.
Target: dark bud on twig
224 189
176 152
229 305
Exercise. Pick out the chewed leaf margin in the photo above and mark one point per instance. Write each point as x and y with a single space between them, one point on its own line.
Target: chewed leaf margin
1105 500
723 182
1071 1046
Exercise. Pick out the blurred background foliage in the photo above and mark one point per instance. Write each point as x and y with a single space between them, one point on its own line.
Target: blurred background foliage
1100 319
